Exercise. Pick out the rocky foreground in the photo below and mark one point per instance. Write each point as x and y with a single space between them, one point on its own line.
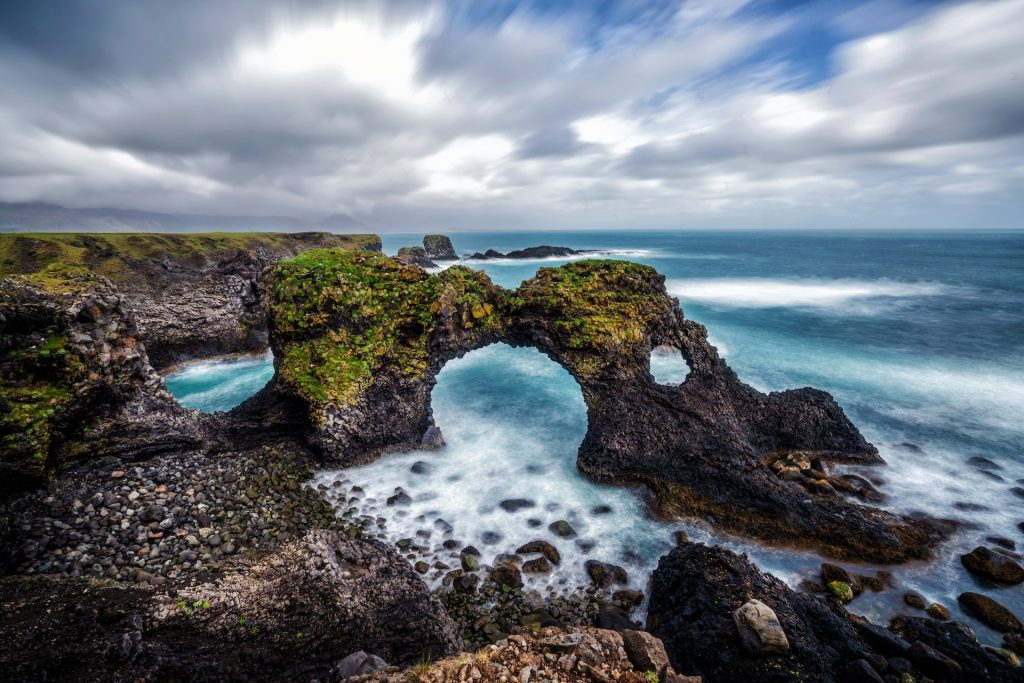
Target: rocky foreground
143 541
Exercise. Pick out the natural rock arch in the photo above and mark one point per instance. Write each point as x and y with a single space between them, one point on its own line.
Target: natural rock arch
359 338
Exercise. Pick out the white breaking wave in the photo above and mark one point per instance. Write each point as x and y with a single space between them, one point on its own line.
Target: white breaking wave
821 294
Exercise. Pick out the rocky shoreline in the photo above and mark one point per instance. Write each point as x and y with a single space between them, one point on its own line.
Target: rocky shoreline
144 541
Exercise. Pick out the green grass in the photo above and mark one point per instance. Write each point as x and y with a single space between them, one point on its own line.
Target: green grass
114 255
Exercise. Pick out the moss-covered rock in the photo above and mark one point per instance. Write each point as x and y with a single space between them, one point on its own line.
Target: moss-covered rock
356 332
69 358
359 340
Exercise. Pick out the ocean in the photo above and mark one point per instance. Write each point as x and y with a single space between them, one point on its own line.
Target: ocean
920 337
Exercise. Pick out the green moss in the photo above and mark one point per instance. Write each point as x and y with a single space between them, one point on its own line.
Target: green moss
114 255
344 318
37 382
593 303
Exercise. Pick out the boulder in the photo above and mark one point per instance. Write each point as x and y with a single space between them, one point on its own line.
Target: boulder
696 589
415 256
358 664
544 548
955 642
989 612
539 565
604 575
646 652
506 574
759 628
992 566
562 529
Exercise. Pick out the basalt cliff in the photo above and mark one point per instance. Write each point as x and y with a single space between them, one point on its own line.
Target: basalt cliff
145 541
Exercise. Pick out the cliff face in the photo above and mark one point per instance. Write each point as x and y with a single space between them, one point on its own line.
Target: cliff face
359 341
75 380
193 294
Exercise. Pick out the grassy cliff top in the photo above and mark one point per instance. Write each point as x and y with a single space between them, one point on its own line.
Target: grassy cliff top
113 254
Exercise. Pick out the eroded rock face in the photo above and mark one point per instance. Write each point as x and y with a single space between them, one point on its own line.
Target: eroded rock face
360 339
294 615
193 294
76 382
415 256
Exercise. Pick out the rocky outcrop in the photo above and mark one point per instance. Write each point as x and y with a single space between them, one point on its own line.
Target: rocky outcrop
439 248
76 382
294 615
193 294
528 253
415 256
359 339
695 592
722 618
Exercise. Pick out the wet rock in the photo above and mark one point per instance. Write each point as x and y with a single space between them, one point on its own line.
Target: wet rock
516 504
832 572
470 563
399 498
601 510
544 548
992 566
628 597
539 565
562 529
1002 542
983 463
506 574
421 467
759 628
604 575
953 641
915 600
490 537
990 612
937 611
840 590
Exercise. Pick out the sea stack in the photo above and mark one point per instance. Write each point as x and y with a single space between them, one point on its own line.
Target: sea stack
439 248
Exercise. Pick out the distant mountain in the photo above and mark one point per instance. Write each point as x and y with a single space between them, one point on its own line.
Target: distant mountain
38 216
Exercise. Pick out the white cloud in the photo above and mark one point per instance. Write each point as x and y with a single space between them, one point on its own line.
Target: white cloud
412 115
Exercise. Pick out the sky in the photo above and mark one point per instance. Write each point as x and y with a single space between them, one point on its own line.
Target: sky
699 114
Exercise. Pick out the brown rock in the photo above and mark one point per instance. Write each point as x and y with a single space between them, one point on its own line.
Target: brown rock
990 565
989 612
646 652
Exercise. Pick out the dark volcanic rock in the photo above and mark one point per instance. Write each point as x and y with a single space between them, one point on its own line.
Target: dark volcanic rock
990 612
415 256
528 253
956 642
695 591
992 566
439 247
700 446
75 381
292 616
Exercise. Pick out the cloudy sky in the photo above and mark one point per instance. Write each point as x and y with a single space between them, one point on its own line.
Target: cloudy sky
692 114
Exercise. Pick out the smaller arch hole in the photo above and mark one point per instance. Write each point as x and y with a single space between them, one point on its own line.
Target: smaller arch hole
668 365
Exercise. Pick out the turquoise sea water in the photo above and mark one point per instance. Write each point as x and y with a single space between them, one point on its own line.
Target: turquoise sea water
919 337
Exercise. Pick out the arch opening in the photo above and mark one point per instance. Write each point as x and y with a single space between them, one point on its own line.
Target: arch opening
221 383
513 420
668 365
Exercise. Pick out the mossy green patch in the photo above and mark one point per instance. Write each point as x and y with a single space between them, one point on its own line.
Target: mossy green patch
344 318
115 255
594 303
